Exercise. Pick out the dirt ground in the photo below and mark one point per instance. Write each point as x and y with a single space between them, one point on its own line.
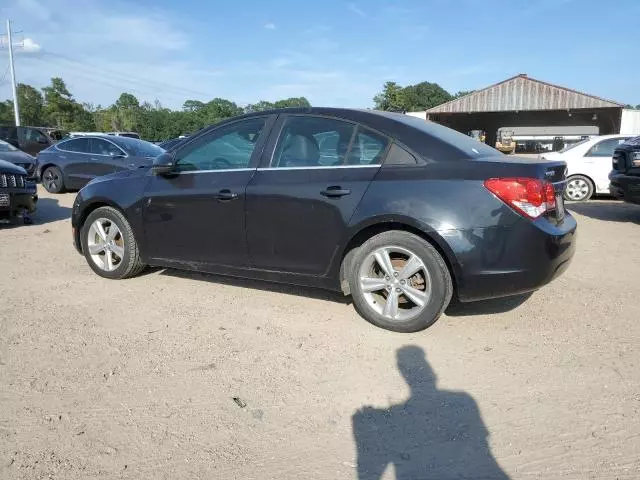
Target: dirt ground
136 379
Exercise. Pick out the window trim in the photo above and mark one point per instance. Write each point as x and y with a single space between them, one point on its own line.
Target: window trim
57 147
277 133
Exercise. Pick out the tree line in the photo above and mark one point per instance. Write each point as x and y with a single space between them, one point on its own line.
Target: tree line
413 98
54 106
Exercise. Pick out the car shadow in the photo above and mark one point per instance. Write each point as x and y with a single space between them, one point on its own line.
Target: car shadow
607 210
47 210
308 292
50 210
486 307
434 434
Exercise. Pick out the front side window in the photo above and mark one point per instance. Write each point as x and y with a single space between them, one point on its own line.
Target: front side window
229 147
312 142
102 147
77 145
605 148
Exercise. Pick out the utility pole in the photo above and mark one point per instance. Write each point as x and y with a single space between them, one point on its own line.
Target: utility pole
13 75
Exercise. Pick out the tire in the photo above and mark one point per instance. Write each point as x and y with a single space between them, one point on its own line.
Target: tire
433 282
52 180
124 251
579 189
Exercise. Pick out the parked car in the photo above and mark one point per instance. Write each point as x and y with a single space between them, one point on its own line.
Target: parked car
399 212
71 164
625 175
588 164
17 194
11 154
31 139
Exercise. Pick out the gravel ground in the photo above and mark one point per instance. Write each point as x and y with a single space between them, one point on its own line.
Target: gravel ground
136 379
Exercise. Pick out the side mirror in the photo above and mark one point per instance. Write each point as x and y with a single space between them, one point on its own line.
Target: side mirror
117 156
163 164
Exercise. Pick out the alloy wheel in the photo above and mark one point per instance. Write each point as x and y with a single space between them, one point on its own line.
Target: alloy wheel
51 180
577 189
395 283
106 244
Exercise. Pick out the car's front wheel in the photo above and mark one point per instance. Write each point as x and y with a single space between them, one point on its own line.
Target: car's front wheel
579 189
109 245
399 282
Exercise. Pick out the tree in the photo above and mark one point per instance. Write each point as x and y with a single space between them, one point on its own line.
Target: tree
59 104
292 102
424 96
6 113
31 104
192 106
260 106
463 93
391 99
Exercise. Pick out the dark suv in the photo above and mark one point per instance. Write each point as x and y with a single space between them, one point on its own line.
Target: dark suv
31 139
625 175
399 212
17 194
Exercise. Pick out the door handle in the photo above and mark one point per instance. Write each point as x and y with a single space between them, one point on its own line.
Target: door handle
226 195
335 191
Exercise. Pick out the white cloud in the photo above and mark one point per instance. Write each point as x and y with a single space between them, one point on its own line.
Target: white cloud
357 10
270 26
30 46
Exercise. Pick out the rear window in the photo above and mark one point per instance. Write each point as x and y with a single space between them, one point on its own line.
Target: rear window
633 142
471 147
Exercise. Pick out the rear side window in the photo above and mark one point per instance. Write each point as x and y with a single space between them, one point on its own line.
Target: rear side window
368 148
312 142
399 156
605 148
79 145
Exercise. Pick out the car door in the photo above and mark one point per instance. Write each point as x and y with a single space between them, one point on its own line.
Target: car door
301 199
71 156
106 157
196 215
597 161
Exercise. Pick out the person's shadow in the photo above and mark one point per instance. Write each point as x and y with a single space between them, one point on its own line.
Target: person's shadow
435 434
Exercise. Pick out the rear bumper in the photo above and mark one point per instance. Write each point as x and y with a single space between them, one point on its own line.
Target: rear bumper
515 259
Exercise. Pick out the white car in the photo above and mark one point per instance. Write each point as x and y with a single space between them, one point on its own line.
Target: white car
588 165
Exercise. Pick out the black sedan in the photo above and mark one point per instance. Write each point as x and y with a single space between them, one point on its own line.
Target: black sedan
11 154
399 212
72 163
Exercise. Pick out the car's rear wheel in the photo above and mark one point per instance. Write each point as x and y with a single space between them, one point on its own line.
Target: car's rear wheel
52 180
579 189
109 245
399 282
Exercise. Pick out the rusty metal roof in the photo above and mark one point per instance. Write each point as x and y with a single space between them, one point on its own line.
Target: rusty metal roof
522 93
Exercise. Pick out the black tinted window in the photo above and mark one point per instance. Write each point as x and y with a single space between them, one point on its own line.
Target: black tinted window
103 147
605 148
367 148
399 156
33 135
228 147
312 142
138 148
80 145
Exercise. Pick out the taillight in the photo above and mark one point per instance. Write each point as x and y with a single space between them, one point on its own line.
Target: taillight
531 197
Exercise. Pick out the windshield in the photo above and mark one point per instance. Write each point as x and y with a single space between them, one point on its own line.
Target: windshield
574 145
506 134
7 147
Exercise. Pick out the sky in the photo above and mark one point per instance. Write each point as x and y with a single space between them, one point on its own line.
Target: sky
334 52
